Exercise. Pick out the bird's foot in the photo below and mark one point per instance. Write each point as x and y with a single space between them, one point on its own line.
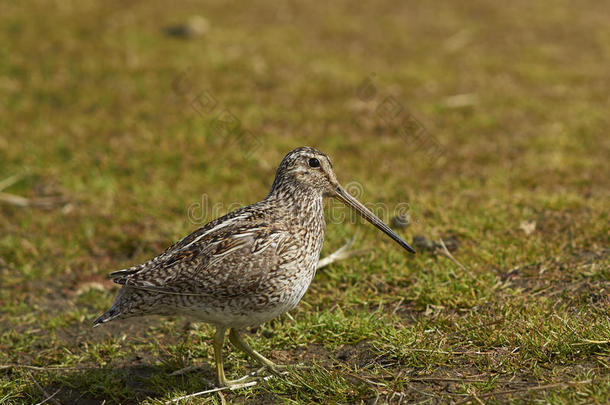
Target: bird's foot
238 383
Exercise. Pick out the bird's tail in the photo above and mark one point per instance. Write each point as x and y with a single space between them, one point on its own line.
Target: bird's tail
116 310
107 316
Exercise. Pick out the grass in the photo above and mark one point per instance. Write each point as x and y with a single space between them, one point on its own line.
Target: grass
117 158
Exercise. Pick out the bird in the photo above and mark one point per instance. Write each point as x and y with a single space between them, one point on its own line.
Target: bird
246 267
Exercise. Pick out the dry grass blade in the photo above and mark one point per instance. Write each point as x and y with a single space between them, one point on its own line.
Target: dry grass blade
13 199
220 389
341 254
28 367
223 401
48 397
445 252
521 390
19 201
9 181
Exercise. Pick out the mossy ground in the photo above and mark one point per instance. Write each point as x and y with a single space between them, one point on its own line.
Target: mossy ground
109 126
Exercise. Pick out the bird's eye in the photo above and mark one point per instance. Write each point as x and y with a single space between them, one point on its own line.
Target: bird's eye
313 162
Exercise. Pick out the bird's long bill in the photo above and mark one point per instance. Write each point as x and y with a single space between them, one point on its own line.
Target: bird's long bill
365 213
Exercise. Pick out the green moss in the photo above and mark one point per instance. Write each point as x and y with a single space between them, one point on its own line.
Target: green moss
91 119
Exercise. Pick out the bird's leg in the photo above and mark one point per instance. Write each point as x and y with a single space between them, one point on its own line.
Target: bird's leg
219 338
238 342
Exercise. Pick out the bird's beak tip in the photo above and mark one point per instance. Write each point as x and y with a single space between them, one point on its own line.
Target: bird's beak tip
369 216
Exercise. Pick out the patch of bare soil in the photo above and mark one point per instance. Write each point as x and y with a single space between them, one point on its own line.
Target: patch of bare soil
73 388
560 280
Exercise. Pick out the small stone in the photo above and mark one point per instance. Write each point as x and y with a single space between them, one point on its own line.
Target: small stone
420 242
401 221
195 26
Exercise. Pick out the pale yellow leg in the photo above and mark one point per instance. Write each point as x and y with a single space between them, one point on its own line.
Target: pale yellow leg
238 342
219 338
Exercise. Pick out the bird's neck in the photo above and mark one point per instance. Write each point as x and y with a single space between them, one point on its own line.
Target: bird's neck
303 206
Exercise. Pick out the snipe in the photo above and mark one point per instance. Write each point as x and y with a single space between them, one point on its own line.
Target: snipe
246 267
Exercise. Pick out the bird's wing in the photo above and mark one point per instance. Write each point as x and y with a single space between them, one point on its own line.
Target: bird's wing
228 256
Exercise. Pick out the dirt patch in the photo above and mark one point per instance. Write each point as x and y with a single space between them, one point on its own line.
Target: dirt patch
133 328
357 356
74 389
261 399
312 353
563 280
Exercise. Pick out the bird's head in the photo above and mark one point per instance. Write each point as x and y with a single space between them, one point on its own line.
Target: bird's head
306 171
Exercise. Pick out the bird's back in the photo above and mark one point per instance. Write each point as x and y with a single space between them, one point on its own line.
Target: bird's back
241 269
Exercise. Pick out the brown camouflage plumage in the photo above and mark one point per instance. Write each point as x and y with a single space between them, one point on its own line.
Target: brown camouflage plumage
246 267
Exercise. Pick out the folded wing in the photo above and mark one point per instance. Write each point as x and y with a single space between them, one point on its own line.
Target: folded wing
229 257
